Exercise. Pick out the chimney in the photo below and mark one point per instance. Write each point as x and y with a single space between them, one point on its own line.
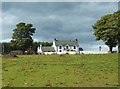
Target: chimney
76 39
55 39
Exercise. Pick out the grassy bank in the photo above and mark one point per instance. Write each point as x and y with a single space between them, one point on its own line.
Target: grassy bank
61 71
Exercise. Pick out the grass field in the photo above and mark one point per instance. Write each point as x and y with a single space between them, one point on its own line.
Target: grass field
61 71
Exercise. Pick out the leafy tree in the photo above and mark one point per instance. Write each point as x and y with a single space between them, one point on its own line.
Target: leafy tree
22 36
80 49
107 29
37 44
117 33
46 44
0 48
5 47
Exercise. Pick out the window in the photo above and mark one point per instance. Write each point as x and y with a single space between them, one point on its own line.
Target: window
74 47
60 47
66 47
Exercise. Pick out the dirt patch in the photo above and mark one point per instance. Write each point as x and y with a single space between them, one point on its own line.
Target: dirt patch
9 56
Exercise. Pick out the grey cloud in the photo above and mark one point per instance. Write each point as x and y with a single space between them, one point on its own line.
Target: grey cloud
63 20
60 1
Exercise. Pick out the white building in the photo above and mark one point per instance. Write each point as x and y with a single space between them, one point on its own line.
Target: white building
60 47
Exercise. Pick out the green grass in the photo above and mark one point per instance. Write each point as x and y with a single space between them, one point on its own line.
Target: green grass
61 71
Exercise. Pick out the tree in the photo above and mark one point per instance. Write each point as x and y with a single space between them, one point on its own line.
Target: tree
107 29
6 47
117 33
22 36
80 49
37 44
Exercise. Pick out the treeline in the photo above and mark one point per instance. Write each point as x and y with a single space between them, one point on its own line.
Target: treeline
6 47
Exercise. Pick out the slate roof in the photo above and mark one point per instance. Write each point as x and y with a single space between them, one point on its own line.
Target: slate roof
48 49
66 42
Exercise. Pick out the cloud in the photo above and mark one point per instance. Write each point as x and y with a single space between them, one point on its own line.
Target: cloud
0 21
5 40
61 20
8 19
60 1
8 23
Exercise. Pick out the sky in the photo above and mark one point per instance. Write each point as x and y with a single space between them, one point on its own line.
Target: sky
60 20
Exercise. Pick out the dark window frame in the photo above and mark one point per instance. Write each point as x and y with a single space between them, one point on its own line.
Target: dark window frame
74 47
60 47
67 47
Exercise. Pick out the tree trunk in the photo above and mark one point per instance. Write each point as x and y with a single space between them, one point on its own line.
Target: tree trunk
118 48
110 48
118 44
